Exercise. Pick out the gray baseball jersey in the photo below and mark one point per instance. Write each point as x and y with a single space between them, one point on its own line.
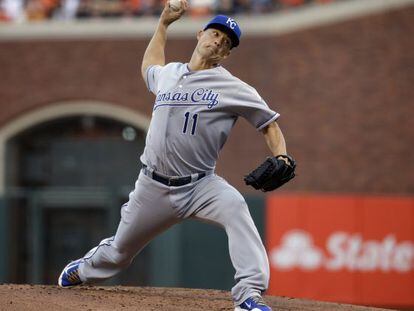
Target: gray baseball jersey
193 114
192 117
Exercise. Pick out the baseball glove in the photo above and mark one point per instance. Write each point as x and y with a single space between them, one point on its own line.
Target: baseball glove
272 173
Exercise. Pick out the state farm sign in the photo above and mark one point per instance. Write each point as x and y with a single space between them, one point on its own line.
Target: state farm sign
343 251
351 249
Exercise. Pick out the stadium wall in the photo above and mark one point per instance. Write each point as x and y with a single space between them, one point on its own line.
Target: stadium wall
343 90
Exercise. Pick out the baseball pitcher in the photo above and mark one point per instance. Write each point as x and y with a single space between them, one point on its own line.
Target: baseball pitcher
196 105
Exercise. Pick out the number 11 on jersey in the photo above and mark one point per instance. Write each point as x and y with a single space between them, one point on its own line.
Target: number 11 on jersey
187 119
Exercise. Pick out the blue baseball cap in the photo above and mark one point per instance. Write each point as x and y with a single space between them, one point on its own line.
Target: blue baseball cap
227 25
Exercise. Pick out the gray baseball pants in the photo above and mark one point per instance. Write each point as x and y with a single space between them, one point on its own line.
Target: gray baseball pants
154 207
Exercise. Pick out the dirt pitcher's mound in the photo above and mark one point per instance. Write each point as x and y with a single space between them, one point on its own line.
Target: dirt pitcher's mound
40 297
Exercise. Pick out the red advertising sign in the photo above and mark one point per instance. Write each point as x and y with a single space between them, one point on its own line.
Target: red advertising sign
342 248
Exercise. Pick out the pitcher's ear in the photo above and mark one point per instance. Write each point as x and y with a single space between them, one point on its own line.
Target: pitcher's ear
199 34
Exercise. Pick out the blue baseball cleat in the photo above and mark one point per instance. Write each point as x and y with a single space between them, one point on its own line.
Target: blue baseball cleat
70 275
254 303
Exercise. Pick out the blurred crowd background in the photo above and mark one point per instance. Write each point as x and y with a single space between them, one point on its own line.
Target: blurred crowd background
38 10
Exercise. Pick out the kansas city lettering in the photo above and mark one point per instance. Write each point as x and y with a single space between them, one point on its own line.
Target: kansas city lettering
200 96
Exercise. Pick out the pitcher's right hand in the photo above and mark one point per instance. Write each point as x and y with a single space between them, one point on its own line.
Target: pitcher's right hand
169 16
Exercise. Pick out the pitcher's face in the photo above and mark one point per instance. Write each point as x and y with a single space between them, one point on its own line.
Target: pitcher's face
213 44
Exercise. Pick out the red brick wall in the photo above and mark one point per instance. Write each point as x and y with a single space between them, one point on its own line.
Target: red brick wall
344 91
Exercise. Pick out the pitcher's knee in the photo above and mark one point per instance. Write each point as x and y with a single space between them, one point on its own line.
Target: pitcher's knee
233 206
